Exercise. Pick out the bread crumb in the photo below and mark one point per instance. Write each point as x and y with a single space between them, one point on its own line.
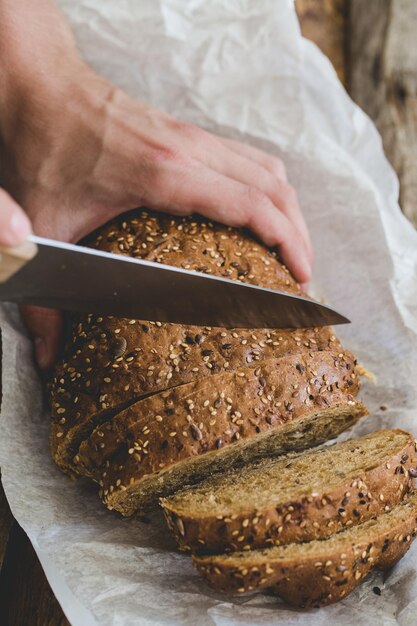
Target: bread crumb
362 371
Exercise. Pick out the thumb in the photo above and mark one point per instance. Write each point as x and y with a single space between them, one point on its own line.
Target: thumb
45 327
14 223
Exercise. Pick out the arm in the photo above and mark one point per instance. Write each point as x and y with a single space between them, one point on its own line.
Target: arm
76 151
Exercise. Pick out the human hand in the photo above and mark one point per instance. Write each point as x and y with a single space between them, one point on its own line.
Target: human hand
78 151
14 223
44 325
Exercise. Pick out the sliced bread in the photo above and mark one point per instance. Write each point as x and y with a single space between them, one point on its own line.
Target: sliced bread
109 363
144 407
112 363
322 571
295 498
179 436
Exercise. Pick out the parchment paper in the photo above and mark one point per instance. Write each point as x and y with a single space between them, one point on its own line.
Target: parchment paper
239 68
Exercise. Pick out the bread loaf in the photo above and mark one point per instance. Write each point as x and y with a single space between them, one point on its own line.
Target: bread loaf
288 388
322 571
295 498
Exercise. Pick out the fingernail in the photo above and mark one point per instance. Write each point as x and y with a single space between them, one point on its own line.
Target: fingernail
19 226
41 353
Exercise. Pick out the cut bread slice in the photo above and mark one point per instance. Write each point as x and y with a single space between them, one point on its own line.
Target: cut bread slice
116 362
179 436
295 498
126 488
322 571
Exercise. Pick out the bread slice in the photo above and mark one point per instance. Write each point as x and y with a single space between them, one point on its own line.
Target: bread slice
179 436
112 363
295 498
129 486
322 571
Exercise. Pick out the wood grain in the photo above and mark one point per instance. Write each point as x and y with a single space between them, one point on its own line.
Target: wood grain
324 22
26 598
6 523
383 81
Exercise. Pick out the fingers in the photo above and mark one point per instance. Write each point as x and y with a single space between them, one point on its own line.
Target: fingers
14 223
275 229
250 172
249 166
45 327
187 186
268 161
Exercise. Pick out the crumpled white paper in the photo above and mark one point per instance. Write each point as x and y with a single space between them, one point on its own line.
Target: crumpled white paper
242 69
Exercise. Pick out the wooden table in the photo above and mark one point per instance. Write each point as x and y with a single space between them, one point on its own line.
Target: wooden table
371 46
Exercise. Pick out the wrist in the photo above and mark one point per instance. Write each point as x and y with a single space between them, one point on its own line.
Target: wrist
54 120
52 143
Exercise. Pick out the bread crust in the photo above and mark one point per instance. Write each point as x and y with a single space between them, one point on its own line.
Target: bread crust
208 416
313 516
194 243
162 357
318 578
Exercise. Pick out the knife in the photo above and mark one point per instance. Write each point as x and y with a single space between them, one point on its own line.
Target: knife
70 277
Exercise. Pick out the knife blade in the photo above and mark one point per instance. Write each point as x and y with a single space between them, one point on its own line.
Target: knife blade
76 278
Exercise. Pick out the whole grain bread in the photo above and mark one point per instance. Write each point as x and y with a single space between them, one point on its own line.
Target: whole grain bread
295 498
118 375
111 363
175 437
319 572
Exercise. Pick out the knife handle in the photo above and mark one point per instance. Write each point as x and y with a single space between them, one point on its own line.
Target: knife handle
12 259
